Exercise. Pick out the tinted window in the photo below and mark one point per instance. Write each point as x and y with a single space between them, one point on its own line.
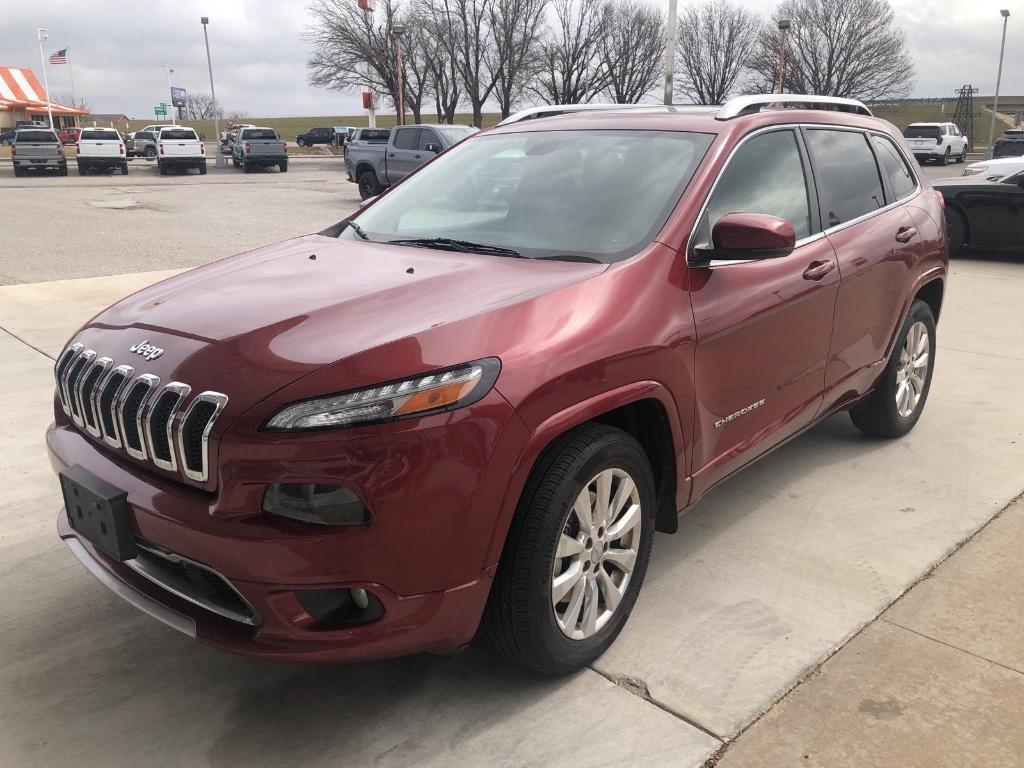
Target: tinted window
43 137
406 138
374 135
428 137
177 134
848 182
600 194
99 135
922 132
765 175
1007 147
894 166
259 133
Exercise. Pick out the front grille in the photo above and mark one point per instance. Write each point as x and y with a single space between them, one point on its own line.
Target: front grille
134 414
193 582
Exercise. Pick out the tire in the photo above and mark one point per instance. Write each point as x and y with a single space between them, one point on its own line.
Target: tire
520 620
234 162
301 142
948 156
962 157
880 415
202 169
149 153
62 171
19 172
956 231
124 169
162 168
283 167
82 170
368 185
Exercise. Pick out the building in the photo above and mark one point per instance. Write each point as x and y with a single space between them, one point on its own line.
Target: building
23 100
104 120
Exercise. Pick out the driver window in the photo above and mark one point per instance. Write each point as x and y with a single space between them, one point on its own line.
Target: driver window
766 175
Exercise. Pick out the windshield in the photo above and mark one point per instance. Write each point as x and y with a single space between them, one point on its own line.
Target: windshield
42 137
180 133
922 132
1009 147
548 194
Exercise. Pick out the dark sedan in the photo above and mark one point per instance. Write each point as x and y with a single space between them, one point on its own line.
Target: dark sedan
984 215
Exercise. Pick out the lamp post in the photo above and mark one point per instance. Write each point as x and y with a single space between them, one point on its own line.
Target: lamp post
784 25
219 162
999 76
170 71
41 35
398 30
670 50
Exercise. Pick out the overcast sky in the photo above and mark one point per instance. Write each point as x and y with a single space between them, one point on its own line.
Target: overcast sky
259 54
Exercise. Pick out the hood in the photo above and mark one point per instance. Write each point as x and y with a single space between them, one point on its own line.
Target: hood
251 324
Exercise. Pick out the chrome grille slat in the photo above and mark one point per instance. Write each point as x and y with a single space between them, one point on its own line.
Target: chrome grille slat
159 424
135 414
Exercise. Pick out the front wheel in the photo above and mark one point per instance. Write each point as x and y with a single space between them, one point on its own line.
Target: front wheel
962 157
947 157
576 553
368 185
301 142
894 407
956 231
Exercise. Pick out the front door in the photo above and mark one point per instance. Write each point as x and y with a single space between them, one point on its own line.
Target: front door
403 153
763 327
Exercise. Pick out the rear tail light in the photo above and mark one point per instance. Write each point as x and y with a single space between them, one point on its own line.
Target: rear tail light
285 147
120 148
161 148
60 151
14 150
248 148
202 148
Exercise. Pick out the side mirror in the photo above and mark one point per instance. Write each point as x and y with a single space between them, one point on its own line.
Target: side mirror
750 236
433 148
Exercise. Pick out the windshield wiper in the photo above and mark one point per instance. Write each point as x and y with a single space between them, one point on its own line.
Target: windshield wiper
463 246
569 257
358 230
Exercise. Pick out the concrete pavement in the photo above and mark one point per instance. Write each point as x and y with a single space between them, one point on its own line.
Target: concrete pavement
764 581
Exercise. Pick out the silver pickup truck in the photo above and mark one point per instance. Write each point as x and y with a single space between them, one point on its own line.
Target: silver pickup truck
37 149
374 167
257 147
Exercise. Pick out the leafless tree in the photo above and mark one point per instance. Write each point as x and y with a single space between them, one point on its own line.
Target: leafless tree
68 99
849 48
715 41
416 74
236 116
444 80
571 69
516 26
201 106
632 50
464 28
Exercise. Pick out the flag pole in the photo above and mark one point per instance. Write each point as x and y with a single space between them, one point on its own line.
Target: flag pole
74 96
41 35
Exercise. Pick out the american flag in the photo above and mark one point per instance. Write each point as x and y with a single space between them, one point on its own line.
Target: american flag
60 57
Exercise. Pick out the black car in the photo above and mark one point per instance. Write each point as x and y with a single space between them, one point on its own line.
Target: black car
984 215
7 136
315 136
1010 144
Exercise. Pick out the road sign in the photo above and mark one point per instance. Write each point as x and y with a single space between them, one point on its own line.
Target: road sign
160 111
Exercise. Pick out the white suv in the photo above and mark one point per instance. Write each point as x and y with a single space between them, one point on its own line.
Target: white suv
942 142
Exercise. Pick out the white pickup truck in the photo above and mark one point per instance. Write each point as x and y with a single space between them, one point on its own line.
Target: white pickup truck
100 148
179 147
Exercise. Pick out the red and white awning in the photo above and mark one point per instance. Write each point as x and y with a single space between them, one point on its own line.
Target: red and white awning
19 89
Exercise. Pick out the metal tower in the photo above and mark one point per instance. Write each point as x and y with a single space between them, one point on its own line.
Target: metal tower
963 116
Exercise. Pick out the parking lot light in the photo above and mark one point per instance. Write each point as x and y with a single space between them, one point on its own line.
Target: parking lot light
1005 13
219 163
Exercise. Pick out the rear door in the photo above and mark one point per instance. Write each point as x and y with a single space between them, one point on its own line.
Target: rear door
403 154
763 327
876 244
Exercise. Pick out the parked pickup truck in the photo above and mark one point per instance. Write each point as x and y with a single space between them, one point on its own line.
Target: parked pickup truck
179 147
258 148
101 148
39 149
374 167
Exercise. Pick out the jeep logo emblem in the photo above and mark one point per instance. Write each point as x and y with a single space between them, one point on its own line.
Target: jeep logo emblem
147 350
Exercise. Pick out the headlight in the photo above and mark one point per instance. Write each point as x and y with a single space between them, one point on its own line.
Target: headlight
974 171
418 396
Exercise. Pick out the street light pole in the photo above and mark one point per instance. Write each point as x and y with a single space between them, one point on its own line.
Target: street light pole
219 163
784 25
670 49
170 71
42 34
999 76
398 30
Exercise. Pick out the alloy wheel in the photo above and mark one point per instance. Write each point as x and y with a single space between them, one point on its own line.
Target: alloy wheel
912 369
597 551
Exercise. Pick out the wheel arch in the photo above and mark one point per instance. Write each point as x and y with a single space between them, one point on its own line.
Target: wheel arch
954 208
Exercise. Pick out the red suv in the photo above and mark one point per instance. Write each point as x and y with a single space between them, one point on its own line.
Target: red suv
471 404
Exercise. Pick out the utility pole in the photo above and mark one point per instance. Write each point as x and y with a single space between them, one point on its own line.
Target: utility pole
999 76
670 48
398 30
219 163
41 35
170 71
369 97
784 25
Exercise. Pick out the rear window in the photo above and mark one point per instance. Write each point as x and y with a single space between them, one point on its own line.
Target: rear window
259 133
1009 147
41 137
99 135
849 184
922 132
177 133
374 135
406 138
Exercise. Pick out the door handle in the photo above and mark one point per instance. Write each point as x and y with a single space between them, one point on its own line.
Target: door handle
416 157
818 269
391 154
905 234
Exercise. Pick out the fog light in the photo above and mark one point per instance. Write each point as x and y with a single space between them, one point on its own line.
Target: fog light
340 606
315 503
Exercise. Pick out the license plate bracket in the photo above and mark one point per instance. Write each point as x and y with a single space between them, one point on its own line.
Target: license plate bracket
97 512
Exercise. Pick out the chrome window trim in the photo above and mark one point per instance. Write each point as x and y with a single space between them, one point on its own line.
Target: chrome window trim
88 399
182 391
88 356
219 400
153 382
719 263
69 356
115 439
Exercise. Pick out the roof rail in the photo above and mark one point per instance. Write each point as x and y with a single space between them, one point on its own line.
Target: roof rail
553 110
748 105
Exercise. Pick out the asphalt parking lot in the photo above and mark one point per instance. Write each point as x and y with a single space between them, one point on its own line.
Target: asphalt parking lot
765 579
